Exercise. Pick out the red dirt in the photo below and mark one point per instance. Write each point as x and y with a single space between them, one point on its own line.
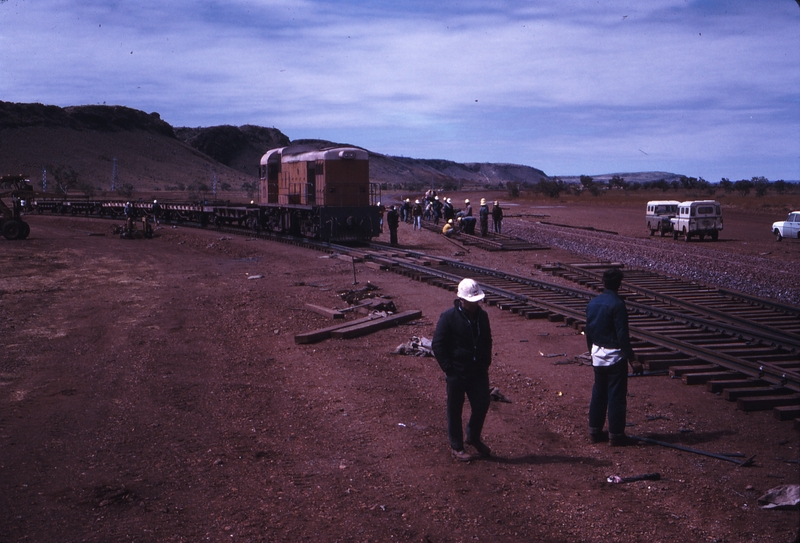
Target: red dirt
150 391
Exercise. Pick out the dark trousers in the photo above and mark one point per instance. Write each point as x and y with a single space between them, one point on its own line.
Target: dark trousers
393 235
476 390
610 393
469 225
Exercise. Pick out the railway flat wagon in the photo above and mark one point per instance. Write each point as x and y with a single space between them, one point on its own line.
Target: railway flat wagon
320 191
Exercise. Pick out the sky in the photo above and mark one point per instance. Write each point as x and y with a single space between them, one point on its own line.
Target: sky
703 88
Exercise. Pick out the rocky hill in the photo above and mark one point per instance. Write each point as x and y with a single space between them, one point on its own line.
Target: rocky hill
240 148
92 142
151 156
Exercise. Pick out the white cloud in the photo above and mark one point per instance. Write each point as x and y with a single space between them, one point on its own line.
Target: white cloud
580 83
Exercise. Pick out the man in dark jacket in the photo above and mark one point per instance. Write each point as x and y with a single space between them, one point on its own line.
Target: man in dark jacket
609 342
497 217
462 344
483 213
393 221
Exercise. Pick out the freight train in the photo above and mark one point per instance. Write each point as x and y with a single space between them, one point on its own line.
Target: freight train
314 190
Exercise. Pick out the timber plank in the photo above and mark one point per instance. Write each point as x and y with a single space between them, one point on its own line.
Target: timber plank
679 371
324 333
720 385
733 394
362 329
704 377
767 402
326 312
786 412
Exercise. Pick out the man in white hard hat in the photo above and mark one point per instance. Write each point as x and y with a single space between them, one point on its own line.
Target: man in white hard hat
462 344
156 211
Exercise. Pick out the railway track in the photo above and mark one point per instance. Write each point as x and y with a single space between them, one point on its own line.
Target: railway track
492 242
745 348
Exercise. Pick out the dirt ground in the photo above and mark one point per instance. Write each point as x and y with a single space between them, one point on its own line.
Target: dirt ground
152 390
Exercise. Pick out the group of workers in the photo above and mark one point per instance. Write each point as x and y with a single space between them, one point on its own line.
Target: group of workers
433 208
462 345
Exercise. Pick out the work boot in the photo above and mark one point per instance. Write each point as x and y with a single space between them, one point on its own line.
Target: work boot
480 446
461 455
598 436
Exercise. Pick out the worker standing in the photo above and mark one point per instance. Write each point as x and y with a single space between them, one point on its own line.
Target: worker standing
497 217
608 340
462 344
483 213
392 221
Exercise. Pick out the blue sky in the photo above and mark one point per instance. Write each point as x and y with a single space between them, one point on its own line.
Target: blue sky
702 88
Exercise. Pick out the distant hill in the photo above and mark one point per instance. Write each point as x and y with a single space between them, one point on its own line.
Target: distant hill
88 140
447 174
240 148
631 177
152 156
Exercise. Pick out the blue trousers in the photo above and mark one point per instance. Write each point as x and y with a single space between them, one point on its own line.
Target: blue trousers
476 389
610 393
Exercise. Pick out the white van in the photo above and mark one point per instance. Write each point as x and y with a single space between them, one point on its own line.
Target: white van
699 218
659 213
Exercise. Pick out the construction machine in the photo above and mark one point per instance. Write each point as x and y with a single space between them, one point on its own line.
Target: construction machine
18 188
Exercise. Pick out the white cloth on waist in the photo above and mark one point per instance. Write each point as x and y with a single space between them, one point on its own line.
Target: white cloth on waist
602 356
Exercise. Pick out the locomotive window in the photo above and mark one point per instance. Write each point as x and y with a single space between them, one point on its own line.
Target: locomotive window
319 168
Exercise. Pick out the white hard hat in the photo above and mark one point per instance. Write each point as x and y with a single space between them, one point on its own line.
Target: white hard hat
416 201
469 290
466 201
449 201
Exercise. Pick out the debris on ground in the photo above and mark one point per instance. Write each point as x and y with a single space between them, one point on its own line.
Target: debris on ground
781 497
496 396
551 355
352 297
616 479
418 346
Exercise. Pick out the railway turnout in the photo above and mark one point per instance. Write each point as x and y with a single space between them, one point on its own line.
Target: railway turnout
744 348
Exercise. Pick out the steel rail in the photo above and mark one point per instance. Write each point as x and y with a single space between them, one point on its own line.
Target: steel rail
771 373
746 327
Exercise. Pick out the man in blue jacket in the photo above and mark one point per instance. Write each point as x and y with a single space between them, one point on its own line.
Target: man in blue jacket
462 344
609 342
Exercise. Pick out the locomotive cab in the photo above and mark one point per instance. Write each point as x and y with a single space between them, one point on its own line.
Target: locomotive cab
318 190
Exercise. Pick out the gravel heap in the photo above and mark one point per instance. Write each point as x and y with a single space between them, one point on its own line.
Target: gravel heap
698 262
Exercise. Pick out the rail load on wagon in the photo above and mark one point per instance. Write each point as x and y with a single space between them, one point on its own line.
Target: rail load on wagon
790 228
699 218
659 216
